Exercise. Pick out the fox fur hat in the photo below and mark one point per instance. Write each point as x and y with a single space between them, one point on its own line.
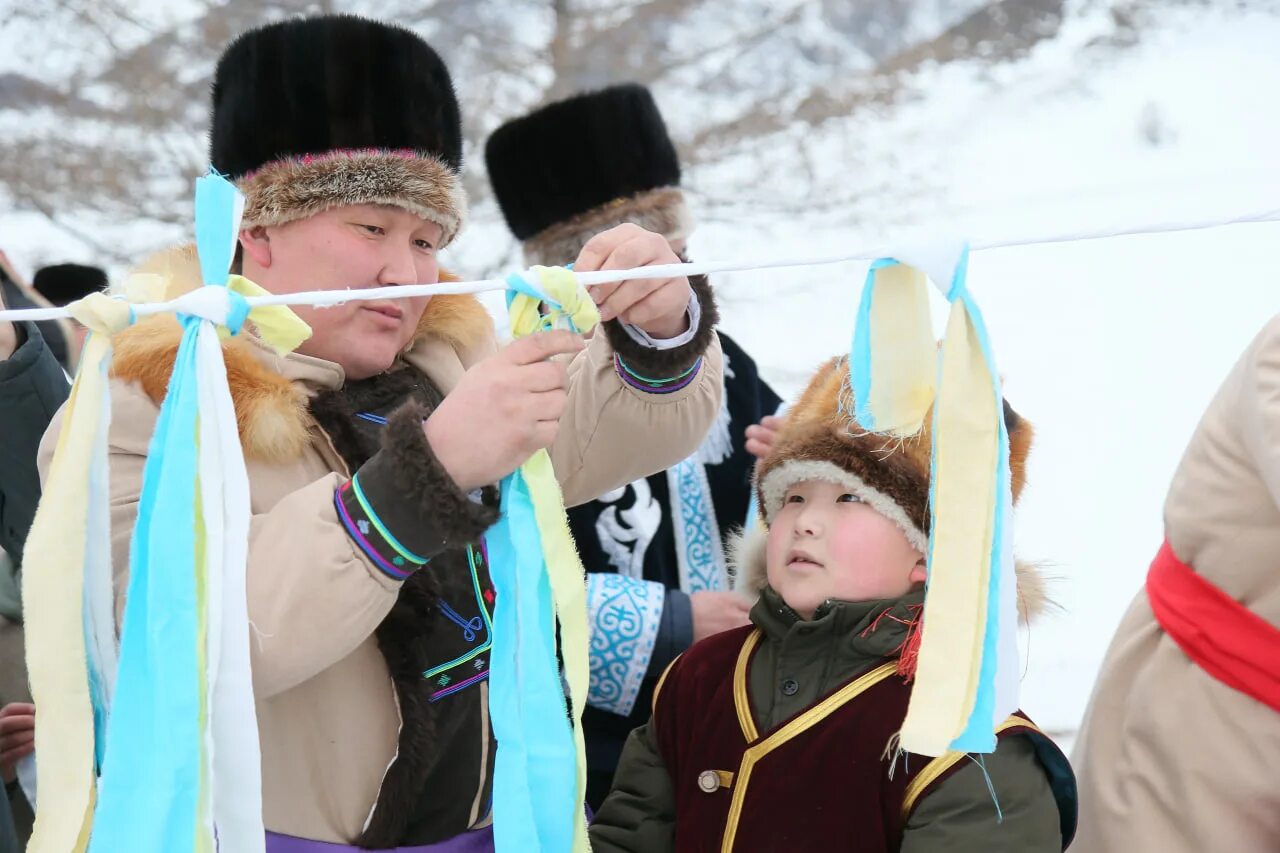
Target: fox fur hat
820 441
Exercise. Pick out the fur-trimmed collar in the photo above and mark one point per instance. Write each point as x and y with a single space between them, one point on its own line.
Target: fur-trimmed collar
269 392
746 552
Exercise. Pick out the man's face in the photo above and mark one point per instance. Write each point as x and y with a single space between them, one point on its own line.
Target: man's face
358 247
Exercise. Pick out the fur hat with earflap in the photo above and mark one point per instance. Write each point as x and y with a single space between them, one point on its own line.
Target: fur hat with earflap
820 441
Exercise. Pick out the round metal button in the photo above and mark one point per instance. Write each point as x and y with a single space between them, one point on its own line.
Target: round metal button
790 687
709 781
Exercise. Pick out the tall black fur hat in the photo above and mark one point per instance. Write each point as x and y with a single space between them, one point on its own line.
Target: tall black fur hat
327 111
63 284
582 165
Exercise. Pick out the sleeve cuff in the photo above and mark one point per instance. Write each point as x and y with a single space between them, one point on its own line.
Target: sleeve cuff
402 508
656 370
692 312
675 633
624 616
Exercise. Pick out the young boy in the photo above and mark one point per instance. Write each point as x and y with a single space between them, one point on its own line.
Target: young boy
779 736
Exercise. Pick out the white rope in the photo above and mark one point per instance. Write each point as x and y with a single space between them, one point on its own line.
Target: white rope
328 298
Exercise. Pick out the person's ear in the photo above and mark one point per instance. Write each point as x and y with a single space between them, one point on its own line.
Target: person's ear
256 244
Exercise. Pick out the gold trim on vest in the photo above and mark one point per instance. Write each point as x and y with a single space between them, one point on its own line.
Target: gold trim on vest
798 726
740 699
940 765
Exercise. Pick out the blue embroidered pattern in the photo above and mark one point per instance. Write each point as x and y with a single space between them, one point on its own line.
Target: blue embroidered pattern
454 675
625 615
469 626
699 551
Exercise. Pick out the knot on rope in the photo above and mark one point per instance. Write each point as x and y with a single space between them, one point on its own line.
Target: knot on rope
219 305
558 288
277 325
101 314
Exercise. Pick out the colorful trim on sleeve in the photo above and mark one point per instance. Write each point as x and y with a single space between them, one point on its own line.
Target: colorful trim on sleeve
624 615
371 535
655 386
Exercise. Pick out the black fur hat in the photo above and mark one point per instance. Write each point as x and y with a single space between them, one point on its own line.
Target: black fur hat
579 166
63 284
327 111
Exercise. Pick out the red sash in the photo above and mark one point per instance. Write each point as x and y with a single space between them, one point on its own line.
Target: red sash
1228 640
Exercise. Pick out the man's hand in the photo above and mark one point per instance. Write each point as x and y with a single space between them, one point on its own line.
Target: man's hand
503 410
659 305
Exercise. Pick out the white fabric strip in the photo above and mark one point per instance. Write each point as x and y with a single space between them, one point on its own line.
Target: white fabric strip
236 762
101 643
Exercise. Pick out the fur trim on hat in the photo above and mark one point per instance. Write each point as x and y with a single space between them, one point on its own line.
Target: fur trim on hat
299 187
774 488
316 112
662 211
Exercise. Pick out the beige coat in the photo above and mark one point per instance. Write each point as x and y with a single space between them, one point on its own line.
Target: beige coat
327 707
1169 759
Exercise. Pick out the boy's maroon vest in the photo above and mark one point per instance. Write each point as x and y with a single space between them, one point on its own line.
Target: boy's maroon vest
819 781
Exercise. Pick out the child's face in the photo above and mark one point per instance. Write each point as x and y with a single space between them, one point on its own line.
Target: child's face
825 543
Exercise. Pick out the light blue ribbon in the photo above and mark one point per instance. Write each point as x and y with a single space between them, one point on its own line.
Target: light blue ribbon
152 762
151 770
534 779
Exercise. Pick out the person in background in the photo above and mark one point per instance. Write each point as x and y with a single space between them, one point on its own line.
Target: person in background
1180 744
33 386
62 284
17 293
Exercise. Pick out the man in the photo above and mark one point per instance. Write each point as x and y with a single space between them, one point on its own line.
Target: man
372 451
655 547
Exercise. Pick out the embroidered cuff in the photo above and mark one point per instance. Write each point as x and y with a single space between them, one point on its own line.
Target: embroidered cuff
409 505
675 632
624 615
652 385
659 364
371 534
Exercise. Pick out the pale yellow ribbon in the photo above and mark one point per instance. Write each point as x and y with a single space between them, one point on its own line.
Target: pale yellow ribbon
966 447
908 377
904 356
564 566
53 595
